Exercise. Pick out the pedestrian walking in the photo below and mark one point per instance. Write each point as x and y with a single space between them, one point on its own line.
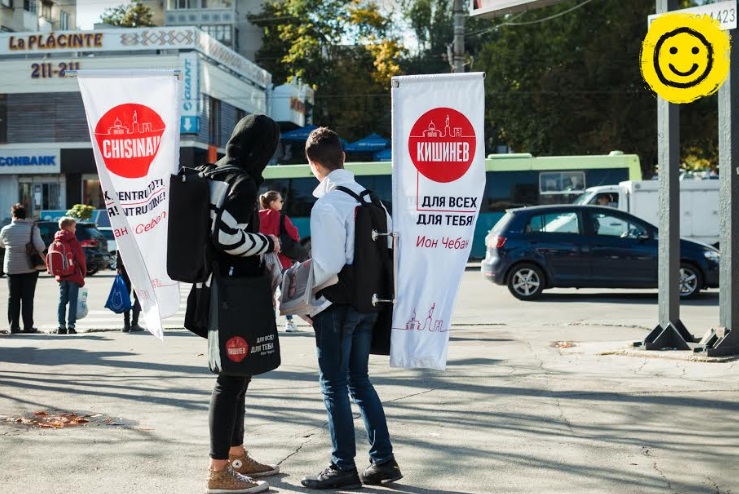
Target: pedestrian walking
72 277
343 335
270 219
22 277
129 324
239 246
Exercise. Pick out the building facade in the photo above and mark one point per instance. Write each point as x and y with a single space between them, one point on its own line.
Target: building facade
46 159
37 15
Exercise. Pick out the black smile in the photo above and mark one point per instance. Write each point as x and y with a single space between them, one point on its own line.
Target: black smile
684 74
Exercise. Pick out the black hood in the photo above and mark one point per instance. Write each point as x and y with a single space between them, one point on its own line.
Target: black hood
252 144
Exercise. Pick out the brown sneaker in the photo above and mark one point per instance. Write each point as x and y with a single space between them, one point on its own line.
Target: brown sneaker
246 465
227 481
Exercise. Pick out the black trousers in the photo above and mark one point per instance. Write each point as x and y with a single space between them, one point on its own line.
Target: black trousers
136 305
226 414
21 288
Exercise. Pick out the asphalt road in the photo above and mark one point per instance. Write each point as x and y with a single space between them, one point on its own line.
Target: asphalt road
536 398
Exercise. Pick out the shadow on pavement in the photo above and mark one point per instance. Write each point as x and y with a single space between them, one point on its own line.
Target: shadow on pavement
651 298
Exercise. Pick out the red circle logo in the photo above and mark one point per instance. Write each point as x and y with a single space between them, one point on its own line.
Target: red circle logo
237 349
128 137
442 144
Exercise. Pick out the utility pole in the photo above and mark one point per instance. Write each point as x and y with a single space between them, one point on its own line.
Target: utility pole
459 15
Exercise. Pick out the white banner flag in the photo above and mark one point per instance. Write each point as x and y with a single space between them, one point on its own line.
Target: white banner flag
438 182
134 122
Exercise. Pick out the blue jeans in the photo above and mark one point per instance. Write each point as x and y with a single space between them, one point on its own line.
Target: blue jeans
68 291
343 338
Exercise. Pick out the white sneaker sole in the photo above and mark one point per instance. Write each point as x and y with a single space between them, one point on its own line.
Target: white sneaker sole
268 473
261 486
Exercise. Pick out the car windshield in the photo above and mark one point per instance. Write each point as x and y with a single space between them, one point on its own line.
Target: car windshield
582 199
86 232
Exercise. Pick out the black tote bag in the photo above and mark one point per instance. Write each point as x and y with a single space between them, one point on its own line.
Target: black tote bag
242 331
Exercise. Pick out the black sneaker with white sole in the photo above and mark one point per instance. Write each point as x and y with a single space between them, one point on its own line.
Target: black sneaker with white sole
333 478
381 474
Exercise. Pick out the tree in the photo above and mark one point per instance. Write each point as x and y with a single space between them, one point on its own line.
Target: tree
345 49
135 14
571 84
81 212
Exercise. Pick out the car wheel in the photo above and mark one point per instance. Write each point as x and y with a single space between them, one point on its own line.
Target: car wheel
691 281
526 282
92 271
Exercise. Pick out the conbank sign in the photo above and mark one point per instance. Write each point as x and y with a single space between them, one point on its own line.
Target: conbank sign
22 161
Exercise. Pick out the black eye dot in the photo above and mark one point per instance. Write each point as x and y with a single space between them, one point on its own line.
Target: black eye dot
695 50
673 50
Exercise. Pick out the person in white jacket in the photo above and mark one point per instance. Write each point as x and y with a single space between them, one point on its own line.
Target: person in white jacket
343 335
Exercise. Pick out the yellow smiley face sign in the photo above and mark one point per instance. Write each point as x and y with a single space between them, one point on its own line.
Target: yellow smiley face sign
685 57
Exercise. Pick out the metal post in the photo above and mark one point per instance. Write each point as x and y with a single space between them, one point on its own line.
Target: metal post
670 333
724 340
459 15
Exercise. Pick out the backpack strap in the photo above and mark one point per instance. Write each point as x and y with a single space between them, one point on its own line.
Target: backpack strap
359 197
282 223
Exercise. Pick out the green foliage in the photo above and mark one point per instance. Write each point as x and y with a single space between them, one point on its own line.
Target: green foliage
81 212
345 49
135 14
557 82
572 84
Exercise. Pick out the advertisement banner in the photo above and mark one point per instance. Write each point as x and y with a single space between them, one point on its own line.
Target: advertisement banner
134 122
438 183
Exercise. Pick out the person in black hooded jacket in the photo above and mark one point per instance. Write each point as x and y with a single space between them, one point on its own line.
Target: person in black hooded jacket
239 245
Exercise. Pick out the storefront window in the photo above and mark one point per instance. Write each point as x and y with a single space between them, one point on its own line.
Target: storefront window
3 118
39 196
92 193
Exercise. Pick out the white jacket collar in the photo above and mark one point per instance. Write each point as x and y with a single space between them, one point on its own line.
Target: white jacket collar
329 183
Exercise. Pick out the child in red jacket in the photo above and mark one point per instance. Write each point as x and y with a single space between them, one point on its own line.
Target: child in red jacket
70 285
269 224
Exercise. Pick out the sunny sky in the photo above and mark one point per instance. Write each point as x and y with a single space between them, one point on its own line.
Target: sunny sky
89 11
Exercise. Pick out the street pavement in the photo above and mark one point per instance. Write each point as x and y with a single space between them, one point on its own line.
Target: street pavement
535 399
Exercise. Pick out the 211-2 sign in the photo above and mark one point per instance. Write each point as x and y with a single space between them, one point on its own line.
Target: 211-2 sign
47 70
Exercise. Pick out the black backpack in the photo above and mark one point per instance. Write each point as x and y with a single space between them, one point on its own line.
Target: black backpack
192 215
288 246
370 276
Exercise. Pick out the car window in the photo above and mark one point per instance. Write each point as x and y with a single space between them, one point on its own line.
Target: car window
553 223
615 226
108 234
85 232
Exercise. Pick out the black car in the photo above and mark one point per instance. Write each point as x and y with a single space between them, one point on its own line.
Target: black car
531 249
93 243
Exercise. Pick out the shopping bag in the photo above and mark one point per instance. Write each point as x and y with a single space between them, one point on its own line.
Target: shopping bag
119 300
242 332
197 312
81 303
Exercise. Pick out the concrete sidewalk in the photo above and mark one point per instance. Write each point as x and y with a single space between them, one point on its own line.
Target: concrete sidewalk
510 415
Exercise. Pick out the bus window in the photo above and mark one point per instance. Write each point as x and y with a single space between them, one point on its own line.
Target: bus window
504 190
561 182
279 185
300 198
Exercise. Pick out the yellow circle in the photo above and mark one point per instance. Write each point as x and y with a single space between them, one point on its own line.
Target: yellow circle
685 57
